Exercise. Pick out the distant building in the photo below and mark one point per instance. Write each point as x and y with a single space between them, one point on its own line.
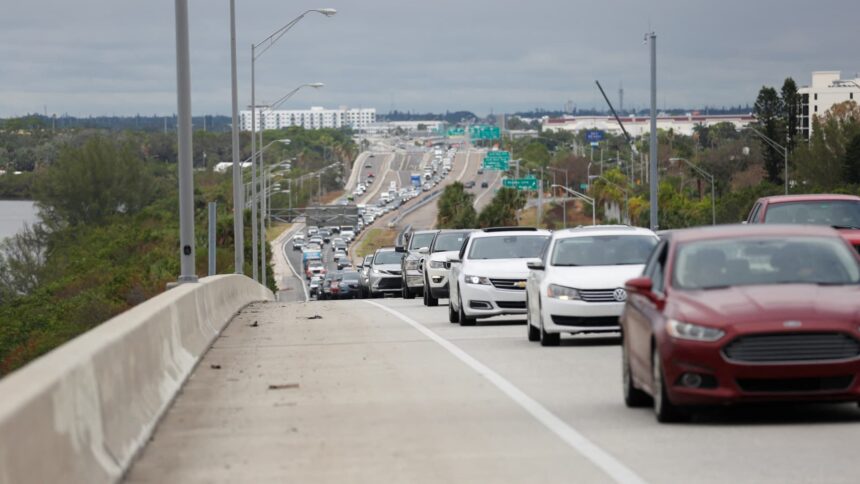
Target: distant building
313 118
826 90
641 125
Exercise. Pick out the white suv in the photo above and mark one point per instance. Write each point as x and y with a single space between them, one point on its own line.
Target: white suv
447 243
578 284
488 277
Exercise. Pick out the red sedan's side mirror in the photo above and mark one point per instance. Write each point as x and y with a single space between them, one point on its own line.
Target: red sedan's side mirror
644 285
641 285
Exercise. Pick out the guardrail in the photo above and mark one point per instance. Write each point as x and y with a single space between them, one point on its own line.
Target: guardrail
424 201
82 412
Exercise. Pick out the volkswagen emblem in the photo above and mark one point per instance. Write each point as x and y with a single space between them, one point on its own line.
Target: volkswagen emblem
619 294
792 324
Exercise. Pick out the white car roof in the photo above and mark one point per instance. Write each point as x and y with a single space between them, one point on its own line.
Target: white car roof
597 230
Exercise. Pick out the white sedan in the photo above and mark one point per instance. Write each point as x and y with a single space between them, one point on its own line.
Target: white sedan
488 276
578 286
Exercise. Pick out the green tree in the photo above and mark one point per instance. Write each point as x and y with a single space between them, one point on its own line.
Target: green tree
790 102
535 155
769 111
502 210
90 183
455 208
851 161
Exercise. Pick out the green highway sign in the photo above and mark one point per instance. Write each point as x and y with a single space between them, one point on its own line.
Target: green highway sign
497 160
583 186
481 131
495 164
529 183
498 155
456 131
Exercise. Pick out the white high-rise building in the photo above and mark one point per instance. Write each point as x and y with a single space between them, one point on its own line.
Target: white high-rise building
826 90
313 118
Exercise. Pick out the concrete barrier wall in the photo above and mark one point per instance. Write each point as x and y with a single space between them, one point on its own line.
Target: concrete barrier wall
83 411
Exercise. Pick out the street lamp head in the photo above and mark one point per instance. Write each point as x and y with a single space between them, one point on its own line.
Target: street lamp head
328 12
315 85
285 141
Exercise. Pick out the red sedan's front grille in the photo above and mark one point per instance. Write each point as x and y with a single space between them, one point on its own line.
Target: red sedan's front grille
796 385
791 347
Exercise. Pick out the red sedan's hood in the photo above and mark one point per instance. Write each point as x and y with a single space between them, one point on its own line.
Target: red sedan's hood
755 304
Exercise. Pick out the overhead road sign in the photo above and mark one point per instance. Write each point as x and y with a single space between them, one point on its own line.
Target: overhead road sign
456 131
594 136
497 160
529 183
480 131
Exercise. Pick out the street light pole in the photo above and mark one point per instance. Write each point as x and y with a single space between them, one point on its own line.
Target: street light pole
186 174
564 202
653 186
267 43
710 178
773 144
238 186
583 197
626 194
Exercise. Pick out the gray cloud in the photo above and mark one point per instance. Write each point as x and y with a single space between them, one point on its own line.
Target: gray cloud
108 56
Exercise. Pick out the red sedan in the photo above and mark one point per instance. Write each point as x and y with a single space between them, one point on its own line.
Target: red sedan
734 314
841 212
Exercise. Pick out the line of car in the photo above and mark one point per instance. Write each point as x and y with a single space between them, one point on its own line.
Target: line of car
768 311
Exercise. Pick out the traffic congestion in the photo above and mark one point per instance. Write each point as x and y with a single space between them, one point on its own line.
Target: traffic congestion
764 311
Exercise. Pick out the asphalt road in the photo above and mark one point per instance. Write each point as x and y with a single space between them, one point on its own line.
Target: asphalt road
388 391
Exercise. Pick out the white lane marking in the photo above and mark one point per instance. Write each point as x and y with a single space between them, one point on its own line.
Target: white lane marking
301 279
599 457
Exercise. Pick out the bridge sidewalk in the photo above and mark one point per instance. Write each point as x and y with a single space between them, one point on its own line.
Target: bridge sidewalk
356 396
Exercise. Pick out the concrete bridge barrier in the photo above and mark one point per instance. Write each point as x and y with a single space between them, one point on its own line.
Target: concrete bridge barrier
82 412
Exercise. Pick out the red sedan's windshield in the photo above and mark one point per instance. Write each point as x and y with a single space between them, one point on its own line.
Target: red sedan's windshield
752 261
838 213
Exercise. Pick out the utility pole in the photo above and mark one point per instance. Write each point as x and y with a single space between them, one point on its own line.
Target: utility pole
186 174
653 135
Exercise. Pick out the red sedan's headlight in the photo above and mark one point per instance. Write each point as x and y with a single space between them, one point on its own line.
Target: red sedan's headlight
693 332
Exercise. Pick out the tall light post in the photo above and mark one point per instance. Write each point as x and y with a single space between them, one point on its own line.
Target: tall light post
653 186
186 175
773 144
707 176
564 203
584 197
272 107
266 44
238 186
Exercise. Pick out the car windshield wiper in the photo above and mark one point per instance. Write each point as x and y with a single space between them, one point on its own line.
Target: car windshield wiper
846 227
712 288
566 265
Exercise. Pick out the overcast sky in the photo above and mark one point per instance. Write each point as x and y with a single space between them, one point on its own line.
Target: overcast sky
94 57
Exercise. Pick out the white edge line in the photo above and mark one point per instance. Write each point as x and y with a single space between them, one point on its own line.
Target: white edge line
301 281
600 458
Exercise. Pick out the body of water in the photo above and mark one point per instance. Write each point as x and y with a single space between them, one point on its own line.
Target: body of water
14 214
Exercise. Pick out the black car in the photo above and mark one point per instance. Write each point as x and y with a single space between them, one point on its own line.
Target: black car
484 184
326 235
